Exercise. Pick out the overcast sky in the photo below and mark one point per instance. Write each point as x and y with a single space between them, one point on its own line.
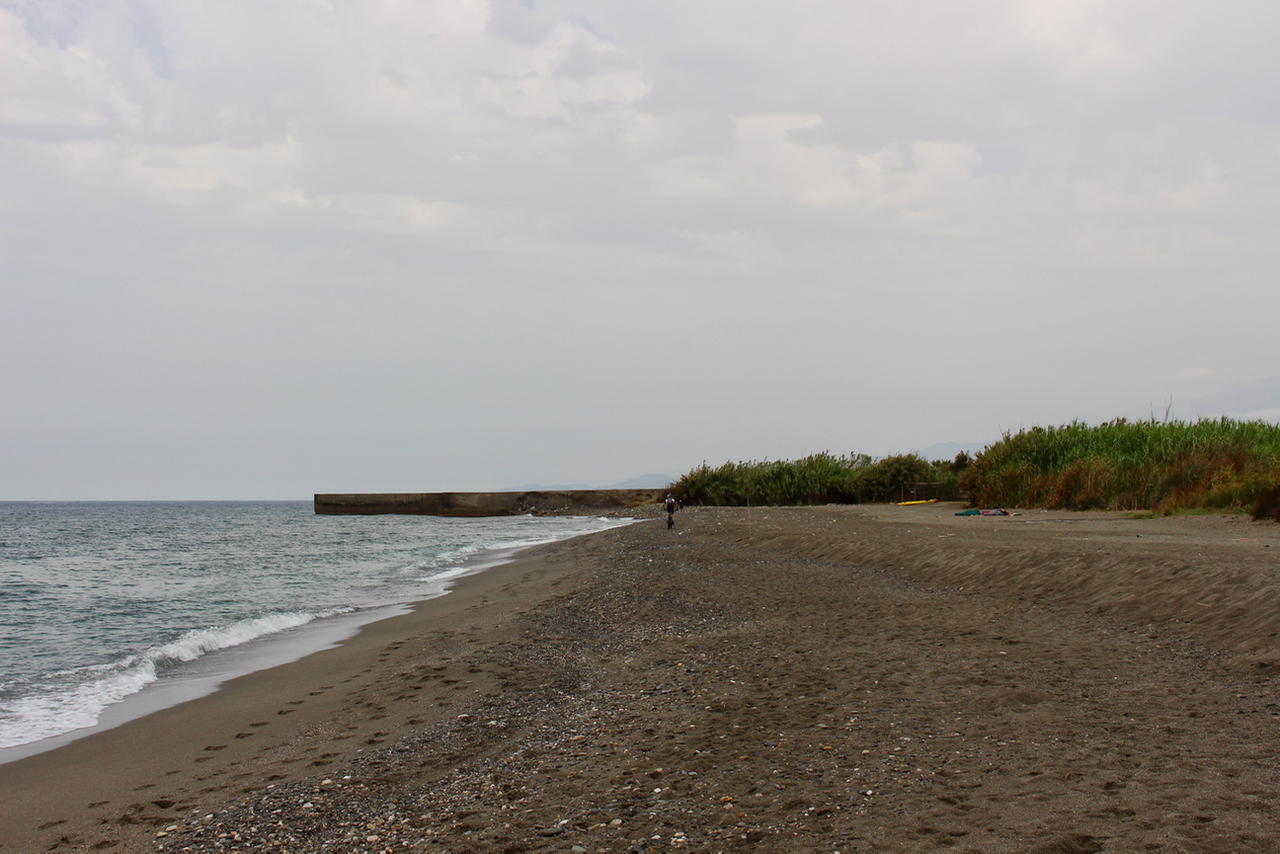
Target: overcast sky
265 248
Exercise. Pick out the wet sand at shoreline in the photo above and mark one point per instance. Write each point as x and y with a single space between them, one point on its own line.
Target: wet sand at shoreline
800 679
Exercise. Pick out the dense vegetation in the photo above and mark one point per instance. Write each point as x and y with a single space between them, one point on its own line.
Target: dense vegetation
1162 466
818 479
1165 467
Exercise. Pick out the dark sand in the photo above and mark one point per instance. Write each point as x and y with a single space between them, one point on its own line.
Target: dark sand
824 679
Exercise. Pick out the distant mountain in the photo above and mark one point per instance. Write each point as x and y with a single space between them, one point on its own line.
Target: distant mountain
1257 399
644 481
539 487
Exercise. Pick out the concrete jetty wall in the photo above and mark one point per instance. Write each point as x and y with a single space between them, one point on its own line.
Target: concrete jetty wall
585 501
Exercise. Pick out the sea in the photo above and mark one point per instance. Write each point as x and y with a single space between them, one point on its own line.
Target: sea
109 610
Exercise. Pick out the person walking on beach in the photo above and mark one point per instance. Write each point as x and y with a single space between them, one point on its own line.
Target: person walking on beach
670 504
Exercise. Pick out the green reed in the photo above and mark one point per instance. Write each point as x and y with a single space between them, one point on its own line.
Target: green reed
1162 466
817 479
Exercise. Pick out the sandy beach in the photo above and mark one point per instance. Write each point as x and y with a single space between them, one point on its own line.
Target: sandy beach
872 678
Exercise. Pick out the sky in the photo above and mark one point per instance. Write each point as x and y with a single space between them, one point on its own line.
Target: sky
259 249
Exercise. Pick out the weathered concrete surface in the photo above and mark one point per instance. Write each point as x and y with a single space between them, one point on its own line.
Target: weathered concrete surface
485 503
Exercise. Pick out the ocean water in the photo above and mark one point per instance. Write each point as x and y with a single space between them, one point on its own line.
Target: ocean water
100 601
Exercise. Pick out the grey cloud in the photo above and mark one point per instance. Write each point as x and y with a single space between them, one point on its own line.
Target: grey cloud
260 250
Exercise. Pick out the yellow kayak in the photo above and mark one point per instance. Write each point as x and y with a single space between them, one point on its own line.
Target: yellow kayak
929 501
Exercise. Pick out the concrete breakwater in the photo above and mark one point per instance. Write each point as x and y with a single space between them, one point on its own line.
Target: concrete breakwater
545 503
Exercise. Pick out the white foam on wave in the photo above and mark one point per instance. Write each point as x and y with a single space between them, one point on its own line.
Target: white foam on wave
453 563
76 699
200 642
58 709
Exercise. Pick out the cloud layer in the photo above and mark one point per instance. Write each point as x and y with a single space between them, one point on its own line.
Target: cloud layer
267 249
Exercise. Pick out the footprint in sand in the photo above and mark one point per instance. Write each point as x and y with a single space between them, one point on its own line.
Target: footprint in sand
215 747
245 734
